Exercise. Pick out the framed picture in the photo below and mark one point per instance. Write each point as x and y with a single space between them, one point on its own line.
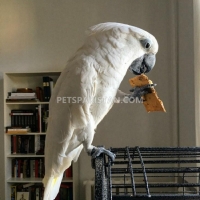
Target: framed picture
22 195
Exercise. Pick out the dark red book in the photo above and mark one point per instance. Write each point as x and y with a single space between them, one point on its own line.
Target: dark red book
36 168
14 144
13 167
19 168
39 93
69 172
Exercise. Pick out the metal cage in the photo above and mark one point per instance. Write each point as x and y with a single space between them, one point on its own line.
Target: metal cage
148 173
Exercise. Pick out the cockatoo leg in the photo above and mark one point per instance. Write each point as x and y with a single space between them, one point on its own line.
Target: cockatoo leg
93 151
120 96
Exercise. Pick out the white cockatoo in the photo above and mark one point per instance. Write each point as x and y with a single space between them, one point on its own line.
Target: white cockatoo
85 91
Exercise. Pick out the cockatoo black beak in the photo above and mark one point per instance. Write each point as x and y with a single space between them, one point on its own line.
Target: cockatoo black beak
143 64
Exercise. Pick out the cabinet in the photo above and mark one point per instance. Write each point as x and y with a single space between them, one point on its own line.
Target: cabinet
12 81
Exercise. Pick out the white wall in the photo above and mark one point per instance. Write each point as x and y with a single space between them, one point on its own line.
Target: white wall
188 72
197 68
41 35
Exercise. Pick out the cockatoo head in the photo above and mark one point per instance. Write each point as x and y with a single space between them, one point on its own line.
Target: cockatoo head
146 61
143 47
124 45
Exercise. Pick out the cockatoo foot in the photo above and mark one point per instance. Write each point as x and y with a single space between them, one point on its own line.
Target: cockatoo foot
96 151
138 92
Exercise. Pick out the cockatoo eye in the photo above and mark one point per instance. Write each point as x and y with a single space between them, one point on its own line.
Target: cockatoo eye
146 43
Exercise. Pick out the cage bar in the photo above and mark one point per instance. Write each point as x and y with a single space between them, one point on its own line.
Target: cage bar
148 173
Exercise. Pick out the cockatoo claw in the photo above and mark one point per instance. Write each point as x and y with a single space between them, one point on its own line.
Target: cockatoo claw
96 151
99 150
138 92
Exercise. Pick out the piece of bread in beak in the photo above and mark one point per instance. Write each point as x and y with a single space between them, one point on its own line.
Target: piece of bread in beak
151 100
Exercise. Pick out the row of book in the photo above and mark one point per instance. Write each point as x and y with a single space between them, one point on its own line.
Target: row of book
25 144
27 94
27 168
31 191
32 168
23 121
27 191
25 118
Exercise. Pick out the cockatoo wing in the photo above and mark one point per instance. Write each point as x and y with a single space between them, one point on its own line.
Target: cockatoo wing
71 99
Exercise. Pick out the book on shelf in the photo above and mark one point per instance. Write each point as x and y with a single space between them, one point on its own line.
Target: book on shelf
17 130
46 88
27 168
65 192
21 119
25 144
28 191
48 85
16 96
45 115
68 172
39 93
37 194
37 119
13 192
13 143
21 95
39 144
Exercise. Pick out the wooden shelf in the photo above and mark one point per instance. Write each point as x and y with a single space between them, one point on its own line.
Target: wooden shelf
24 156
32 74
41 133
24 180
34 180
27 103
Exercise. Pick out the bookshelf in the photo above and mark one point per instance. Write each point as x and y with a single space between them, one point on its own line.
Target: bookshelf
12 81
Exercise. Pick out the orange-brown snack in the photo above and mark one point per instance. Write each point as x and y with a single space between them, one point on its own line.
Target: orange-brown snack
151 100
